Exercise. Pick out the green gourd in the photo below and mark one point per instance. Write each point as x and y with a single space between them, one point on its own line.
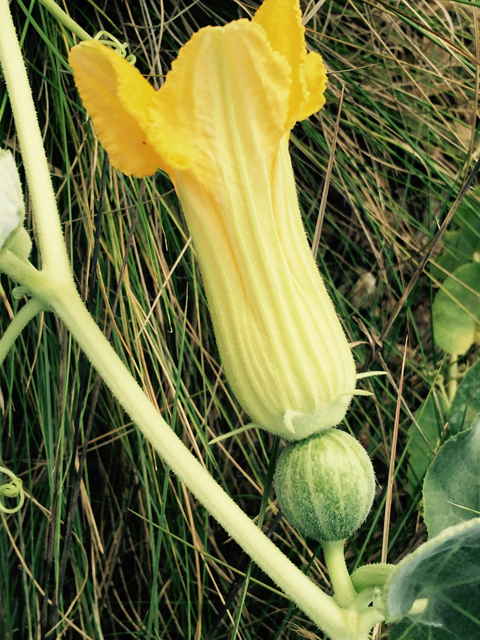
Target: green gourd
325 485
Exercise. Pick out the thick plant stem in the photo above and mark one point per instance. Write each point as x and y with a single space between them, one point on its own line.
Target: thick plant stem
65 301
65 19
52 246
367 620
296 585
337 570
19 322
339 623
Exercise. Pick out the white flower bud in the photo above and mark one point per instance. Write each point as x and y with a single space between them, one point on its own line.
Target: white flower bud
12 207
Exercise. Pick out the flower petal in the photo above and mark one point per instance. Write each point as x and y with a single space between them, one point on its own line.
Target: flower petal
219 126
118 99
282 22
225 80
316 81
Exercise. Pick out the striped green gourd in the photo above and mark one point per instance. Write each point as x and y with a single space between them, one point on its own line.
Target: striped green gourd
325 485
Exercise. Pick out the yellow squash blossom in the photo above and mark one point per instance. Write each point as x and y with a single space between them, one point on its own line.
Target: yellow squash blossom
220 128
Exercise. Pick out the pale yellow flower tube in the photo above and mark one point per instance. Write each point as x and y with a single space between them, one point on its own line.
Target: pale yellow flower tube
219 127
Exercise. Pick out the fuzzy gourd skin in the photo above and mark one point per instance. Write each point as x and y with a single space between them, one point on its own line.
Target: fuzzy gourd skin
325 485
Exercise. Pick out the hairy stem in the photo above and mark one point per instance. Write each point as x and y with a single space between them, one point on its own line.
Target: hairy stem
52 246
66 302
320 607
65 19
19 322
337 570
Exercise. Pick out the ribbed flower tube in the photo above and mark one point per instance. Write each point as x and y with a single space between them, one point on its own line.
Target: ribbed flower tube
220 128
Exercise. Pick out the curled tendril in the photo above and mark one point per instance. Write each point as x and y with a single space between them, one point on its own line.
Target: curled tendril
120 47
11 489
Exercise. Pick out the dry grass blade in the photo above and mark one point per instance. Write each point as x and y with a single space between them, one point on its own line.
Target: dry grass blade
393 455
326 186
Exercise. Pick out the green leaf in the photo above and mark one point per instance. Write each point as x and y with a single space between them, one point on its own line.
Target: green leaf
467 215
456 310
458 249
466 403
430 418
459 245
435 589
451 491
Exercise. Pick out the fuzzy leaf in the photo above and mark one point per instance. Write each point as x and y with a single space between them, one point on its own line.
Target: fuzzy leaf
456 310
466 403
452 485
434 592
430 418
